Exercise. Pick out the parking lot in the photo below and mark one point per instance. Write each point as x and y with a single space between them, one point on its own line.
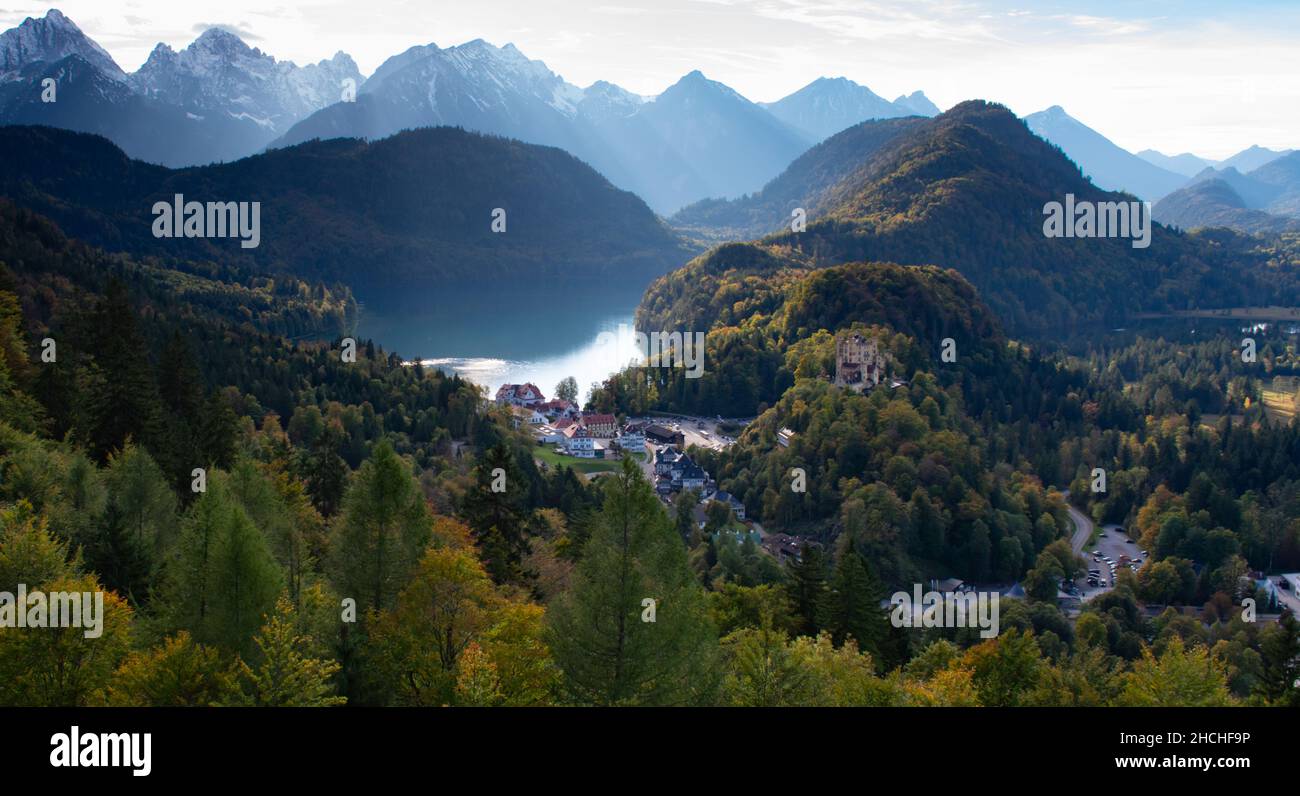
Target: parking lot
700 431
1112 543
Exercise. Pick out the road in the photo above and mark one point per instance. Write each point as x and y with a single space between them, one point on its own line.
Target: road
1082 529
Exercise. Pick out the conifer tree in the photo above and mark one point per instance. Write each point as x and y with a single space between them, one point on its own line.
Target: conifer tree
495 509
383 529
609 647
807 588
123 402
325 473
853 605
224 579
1279 649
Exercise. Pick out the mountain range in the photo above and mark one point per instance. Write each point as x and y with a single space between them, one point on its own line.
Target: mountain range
219 99
1190 165
215 100
1266 199
828 105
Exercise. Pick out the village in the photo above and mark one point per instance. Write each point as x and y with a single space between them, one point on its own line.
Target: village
590 442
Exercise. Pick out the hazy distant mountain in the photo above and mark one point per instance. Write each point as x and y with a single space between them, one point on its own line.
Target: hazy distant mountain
1283 174
916 104
826 106
602 101
696 139
417 206
734 144
806 183
1252 158
1186 164
474 85
1254 193
1214 203
1109 166
1265 200
49 40
216 100
219 74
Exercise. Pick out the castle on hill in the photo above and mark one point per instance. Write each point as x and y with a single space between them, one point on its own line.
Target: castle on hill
859 365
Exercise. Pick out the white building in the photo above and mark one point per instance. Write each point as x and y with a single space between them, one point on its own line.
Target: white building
578 441
519 395
632 438
549 435
529 415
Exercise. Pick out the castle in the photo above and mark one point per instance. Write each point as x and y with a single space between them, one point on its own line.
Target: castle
859 365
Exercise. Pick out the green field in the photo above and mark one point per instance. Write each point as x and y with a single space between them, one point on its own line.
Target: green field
587 466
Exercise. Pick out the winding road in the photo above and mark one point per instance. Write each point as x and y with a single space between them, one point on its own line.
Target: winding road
1082 529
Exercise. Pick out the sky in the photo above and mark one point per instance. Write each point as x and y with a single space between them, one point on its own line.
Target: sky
1175 75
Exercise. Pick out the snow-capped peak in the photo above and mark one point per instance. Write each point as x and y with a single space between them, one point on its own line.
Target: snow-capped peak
219 73
48 40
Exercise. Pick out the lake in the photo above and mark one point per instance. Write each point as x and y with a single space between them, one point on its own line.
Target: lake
508 334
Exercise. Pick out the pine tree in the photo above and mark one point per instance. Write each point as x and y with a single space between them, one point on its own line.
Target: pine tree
853 605
383 529
1279 650
600 635
120 559
807 588
144 503
217 433
325 473
124 402
499 517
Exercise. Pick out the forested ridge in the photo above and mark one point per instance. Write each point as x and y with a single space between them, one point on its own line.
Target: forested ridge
418 206
966 190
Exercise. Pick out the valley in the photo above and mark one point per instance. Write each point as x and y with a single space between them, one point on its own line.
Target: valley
280 340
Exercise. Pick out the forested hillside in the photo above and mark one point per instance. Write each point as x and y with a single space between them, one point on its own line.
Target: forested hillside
417 207
966 190
806 183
